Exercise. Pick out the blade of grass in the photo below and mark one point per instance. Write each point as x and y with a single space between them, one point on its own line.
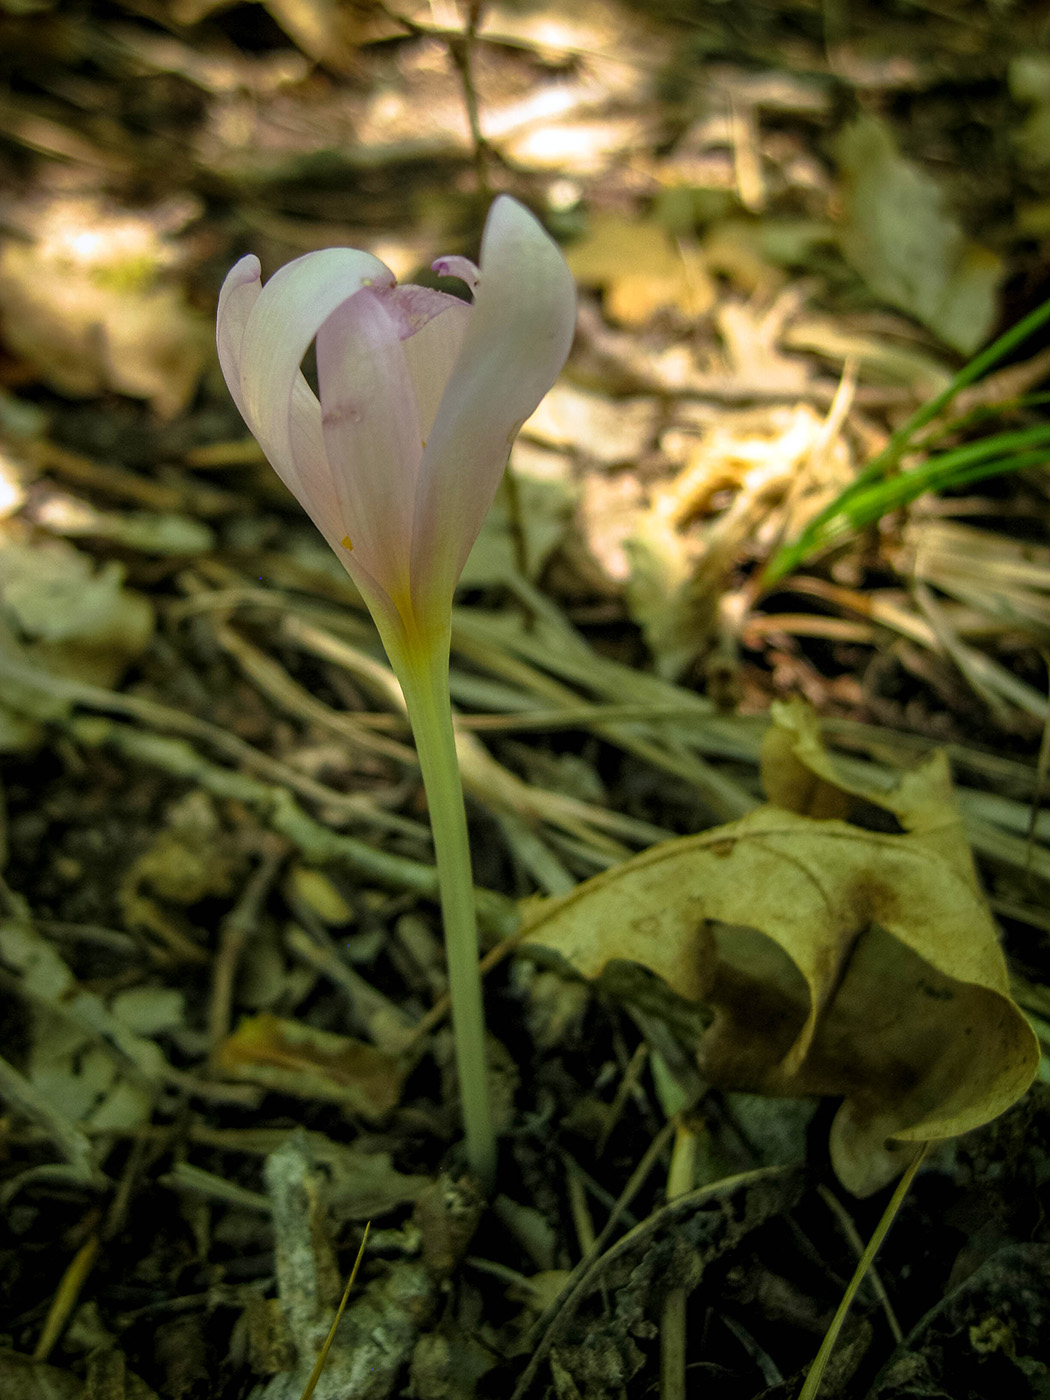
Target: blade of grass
828 525
865 502
811 1387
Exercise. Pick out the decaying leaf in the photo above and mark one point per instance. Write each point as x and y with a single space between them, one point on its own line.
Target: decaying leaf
82 301
835 959
22 1378
641 270
191 858
87 340
900 236
294 1058
70 617
94 1062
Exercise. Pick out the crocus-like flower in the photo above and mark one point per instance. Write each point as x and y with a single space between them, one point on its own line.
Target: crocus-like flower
421 395
397 459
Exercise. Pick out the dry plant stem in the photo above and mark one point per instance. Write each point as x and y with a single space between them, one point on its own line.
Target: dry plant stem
237 928
71 1142
315 1374
441 1006
318 844
423 673
461 51
55 689
848 1228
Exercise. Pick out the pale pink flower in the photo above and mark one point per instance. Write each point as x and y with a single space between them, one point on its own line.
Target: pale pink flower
421 396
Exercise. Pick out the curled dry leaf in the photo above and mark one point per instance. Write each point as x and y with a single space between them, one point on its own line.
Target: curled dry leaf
834 959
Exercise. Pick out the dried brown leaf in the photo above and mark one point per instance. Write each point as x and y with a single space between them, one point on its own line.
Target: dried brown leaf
293 1058
641 270
836 960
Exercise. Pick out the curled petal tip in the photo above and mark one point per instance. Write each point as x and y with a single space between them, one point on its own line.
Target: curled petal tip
453 265
246 269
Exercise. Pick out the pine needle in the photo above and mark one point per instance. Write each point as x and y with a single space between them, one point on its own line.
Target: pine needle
322 1356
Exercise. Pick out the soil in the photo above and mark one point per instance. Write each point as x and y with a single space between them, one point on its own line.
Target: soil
191 845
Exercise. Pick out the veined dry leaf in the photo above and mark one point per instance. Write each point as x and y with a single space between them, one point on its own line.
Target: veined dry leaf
835 960
293 1058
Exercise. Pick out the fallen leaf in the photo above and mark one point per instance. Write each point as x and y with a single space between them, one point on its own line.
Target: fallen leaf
83 302
605 430
834 959
22 1378
293 1058
752 252
189 860
899 235
1029 79
316 890
90 1063
324 30
641 270
73 618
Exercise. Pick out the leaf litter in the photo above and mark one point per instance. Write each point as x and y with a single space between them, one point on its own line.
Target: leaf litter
833 959
226 1046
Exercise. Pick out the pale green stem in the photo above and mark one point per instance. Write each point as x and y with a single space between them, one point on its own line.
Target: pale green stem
423 674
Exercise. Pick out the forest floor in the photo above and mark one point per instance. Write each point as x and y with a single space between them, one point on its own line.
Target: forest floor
225 1040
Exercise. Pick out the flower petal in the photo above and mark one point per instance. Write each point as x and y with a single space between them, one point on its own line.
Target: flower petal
517 339
453 265
372 434
304 469
432 353
239 293
412 307
286 317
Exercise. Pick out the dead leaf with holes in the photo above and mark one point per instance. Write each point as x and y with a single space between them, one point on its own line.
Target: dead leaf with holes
835 959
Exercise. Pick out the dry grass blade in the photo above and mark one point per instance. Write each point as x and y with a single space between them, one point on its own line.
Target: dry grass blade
315 1374
1005 579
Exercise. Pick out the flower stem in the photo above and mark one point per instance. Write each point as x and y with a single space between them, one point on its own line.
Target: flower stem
423 674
